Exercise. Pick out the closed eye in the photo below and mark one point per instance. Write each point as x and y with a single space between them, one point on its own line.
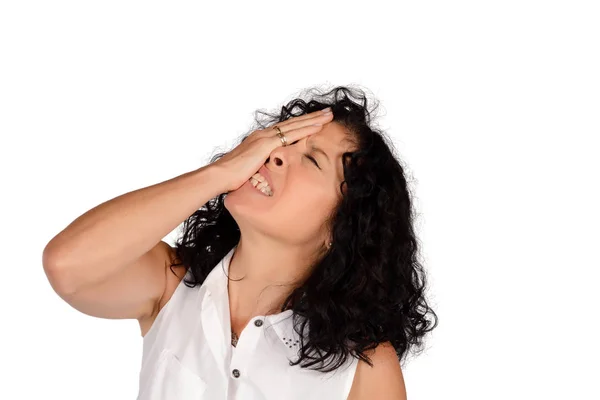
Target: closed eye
313 160
309 157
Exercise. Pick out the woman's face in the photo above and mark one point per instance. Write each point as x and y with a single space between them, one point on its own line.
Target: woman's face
304 194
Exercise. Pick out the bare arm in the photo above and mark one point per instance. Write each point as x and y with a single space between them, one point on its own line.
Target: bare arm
384 381
111 262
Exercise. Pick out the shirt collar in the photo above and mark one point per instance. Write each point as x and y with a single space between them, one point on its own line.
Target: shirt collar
216 285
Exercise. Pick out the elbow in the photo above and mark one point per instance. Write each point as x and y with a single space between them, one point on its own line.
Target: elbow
57 272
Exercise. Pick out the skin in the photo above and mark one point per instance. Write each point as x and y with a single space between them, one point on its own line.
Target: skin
276 247
383 381
280 234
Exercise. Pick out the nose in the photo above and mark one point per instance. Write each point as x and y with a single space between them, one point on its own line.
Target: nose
282 155
278 161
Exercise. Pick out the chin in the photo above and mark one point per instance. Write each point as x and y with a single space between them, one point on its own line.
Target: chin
246 199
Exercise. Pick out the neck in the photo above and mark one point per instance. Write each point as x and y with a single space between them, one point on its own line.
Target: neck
262 275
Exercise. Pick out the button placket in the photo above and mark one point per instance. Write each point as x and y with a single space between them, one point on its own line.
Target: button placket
245 347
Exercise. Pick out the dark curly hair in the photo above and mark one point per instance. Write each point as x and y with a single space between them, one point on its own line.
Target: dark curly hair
369 287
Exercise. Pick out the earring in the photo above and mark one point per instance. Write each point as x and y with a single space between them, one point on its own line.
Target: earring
329 245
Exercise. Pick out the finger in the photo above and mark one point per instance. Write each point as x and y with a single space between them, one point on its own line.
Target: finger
317 119
297 134
305 118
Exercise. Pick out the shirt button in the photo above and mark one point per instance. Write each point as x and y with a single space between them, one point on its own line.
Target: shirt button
236 373
258 322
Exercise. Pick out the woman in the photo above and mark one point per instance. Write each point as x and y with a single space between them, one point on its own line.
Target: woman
296 274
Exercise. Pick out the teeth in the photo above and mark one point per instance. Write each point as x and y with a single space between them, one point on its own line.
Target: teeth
259 177
259 182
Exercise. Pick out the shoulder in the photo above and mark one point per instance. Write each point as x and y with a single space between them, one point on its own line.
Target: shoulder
384 380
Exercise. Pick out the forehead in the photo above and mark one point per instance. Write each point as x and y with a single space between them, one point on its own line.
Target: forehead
335 140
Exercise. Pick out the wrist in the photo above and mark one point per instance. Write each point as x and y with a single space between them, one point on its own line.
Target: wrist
212 176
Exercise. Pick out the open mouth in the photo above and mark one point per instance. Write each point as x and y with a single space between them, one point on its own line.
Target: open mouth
261 184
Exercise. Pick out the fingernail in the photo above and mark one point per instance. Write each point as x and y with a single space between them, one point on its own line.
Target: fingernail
326 110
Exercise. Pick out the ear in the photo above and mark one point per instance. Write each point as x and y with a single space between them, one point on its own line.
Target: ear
344 185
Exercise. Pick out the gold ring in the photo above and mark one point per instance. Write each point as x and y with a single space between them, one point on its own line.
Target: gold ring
281 135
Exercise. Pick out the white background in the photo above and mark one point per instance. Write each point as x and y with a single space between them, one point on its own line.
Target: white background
494 106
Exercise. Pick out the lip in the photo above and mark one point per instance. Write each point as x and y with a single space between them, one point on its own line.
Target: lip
265 172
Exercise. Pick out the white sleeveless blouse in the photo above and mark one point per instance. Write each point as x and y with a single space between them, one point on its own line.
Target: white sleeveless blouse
187 352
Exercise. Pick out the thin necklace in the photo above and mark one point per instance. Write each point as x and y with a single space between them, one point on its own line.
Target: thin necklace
234 338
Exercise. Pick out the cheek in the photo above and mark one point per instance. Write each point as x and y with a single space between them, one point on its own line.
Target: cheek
306 193
304 207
